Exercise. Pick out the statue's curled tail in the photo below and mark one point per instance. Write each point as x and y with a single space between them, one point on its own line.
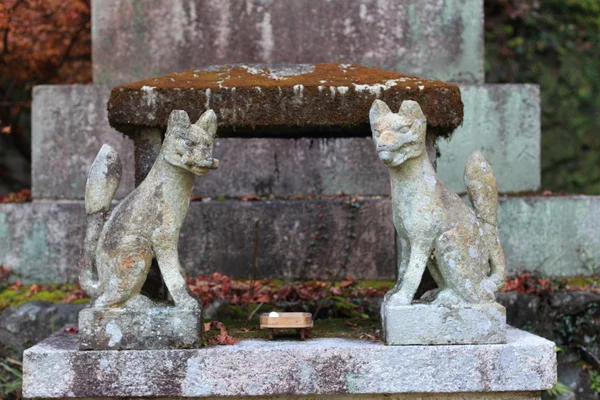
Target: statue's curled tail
102 183
483 194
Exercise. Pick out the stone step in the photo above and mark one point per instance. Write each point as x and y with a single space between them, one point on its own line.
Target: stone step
557 236
438 39
519 369
42 241
69 125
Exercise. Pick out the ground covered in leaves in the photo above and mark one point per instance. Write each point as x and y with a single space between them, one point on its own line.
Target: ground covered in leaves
565 310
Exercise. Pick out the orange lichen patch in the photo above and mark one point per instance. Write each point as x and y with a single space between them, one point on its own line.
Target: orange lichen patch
264 76
285 100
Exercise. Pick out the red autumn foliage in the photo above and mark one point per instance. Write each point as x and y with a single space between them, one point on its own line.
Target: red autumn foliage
41 42
222 338
45 41
76 294
528 284
217 287
5 273
22 196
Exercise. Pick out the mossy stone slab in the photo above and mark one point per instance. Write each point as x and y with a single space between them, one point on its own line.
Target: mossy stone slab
295 100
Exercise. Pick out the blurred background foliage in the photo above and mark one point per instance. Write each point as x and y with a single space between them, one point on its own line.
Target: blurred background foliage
554 43
41 42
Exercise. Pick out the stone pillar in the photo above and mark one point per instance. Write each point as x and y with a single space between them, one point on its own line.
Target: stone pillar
147 142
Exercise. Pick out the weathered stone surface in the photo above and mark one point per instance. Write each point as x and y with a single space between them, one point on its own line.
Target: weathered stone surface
503 122
298 238
43 241
56 368
425 324
437 231
437 39
294 100
29 323
40 240
152 328
328 166
69 125
557 236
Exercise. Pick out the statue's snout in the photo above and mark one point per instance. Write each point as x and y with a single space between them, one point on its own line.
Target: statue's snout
210 163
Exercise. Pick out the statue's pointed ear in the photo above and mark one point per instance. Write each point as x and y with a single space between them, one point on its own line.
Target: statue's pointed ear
378 110
178 122
178 119
208 122
413 108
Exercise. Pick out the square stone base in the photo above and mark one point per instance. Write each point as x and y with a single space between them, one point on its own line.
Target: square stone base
154 328
333 367
424 324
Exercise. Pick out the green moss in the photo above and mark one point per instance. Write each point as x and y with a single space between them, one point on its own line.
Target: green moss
53 294
323 328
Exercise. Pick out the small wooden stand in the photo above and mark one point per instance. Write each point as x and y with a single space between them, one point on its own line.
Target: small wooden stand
290 320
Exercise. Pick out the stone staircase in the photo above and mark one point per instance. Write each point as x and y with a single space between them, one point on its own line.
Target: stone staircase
306 226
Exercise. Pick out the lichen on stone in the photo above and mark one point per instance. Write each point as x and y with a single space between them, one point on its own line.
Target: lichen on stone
326 99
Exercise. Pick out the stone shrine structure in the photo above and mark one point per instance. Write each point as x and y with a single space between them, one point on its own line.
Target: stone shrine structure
434 39
151 362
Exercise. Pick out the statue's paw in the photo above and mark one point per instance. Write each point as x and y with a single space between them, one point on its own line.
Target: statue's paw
188 303
139 302
398 299
446 297
430 295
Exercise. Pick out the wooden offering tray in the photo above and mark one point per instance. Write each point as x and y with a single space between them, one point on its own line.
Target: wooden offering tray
287 320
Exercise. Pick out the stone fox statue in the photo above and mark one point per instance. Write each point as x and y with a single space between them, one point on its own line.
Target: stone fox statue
435 227
120 245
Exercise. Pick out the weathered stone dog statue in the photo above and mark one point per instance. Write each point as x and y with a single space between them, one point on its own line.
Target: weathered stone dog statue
437 230
120 245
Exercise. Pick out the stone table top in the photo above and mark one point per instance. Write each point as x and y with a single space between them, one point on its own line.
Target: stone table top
259 100
55 368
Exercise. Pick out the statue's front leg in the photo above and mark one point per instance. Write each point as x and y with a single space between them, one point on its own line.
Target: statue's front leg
172 273
403 257
408 283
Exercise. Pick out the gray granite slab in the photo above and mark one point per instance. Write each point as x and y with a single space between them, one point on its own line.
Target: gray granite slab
56 368
41 240
153 328
425 324
500 120
137 39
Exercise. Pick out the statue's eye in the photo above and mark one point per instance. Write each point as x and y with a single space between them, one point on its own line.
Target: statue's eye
189 143
376 132
404 129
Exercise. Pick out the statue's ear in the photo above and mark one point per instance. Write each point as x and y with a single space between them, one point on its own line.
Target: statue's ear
378 110
412 108
208 122
178 121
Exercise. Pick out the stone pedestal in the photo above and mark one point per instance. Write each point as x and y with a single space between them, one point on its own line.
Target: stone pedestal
519 369
425 324
124 329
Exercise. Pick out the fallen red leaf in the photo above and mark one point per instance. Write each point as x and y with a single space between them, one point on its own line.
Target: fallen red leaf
250 198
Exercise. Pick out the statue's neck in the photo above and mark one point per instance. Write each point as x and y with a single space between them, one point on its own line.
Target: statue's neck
176 179
410 175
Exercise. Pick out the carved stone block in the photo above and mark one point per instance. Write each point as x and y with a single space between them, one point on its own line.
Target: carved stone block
154 328
427 324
